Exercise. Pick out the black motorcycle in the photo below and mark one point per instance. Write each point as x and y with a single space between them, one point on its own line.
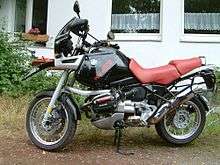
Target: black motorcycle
119 94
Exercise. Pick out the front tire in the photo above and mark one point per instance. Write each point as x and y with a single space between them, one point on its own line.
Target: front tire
61 130
177 127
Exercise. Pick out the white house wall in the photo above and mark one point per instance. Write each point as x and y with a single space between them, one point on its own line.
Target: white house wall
147 53
7 14
3 16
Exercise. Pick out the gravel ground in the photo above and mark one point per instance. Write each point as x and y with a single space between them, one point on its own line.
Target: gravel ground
93 146
17 149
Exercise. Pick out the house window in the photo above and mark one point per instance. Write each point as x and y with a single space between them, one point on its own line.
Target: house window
135 16
39 19
20 16
202 16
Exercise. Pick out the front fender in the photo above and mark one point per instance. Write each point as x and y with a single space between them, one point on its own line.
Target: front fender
66 99
71 104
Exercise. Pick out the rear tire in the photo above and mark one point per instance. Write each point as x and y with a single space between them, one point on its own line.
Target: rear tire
164 133
34 136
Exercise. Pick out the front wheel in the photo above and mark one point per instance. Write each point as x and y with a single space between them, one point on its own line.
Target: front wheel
55 133
183 125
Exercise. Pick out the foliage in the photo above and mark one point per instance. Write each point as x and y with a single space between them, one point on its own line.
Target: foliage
202 6
153 6
218 76
3 23
135 6
14 64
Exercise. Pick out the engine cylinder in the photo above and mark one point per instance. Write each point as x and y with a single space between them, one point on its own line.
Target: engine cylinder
104 103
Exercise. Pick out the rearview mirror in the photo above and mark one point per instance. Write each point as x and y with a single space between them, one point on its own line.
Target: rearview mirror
76 8
111 35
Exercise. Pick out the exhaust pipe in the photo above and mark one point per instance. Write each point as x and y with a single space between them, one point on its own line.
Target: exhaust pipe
169 107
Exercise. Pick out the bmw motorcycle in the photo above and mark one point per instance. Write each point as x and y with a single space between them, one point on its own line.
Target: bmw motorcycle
119 92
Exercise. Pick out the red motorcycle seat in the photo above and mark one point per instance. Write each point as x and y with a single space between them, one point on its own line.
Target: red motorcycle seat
187 65
161 75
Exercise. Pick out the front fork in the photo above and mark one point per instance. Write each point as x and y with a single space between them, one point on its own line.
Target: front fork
56 94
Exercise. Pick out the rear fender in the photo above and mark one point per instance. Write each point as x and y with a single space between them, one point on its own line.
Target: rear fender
204 102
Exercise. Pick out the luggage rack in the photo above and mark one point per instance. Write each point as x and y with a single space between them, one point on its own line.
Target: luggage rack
40 64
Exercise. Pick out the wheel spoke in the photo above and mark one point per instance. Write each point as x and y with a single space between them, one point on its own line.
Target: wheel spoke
185 122
56 128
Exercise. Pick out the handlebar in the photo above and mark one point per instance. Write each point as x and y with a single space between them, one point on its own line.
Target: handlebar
79 27
105 43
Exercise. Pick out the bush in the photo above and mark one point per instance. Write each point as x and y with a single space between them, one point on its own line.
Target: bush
14 64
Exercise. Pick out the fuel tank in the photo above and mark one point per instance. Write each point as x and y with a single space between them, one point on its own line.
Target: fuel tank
102 67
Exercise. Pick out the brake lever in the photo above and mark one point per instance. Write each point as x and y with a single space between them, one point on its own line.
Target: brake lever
116 46
100 43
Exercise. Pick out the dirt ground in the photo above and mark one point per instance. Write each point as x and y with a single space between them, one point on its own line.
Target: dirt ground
17 149
94 146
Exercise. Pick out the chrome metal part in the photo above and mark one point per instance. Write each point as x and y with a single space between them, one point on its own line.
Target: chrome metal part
181 119
55 130
126 107
170 106
147 113
184 124
108 123
130 107
56 94
86 93
133 121
160 113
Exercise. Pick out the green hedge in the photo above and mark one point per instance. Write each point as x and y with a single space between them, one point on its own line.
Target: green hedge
14 64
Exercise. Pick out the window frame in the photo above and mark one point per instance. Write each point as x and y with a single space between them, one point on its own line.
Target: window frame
29 15
157 37
28 18
195 38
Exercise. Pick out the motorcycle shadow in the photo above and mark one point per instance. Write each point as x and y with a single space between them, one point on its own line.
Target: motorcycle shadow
133 138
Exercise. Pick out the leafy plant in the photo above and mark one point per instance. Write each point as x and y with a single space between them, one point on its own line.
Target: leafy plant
202 6
14 64
135 6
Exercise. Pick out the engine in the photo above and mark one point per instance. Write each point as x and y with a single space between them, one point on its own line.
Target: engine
130 106
104 104
107 103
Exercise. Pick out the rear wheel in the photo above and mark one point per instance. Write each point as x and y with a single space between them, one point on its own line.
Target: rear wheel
183 125
55 133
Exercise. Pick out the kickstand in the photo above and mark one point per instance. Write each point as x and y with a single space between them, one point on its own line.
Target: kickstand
119 126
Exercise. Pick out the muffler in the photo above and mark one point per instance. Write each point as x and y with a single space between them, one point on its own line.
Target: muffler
169 107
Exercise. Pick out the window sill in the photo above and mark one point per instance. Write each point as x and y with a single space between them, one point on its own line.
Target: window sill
200 38
138 37
36 38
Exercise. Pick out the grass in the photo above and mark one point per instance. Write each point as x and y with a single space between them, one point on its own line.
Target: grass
144 142
12 113
12 122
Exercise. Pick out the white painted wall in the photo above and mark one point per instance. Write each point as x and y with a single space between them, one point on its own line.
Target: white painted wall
147 53
3 4
7 13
